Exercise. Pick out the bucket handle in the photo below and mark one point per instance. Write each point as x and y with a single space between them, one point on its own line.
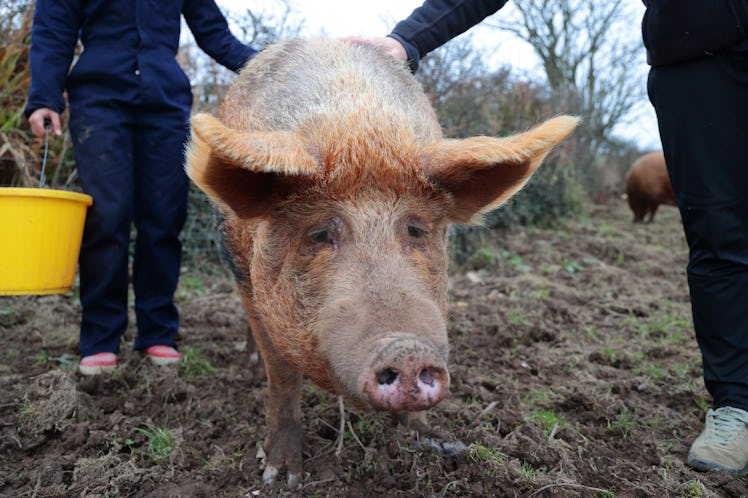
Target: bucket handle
47 126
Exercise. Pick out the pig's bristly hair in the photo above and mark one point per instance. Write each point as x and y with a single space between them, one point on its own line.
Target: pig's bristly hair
363 148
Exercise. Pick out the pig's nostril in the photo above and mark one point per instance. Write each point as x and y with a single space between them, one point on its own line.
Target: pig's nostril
387 376
427 376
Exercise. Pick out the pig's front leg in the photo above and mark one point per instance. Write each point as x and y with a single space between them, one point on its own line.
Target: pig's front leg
283 442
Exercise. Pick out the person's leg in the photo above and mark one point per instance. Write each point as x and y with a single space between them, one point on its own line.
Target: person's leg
103 152
161 189
701 109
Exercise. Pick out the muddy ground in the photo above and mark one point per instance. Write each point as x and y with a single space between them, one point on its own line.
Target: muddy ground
574 367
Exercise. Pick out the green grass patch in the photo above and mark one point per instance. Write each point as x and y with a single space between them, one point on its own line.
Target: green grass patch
527 471
160 442
189 287
551 421
482 454
655 372
195 363
42 358
695 488
624 423
515 260
487 256
571 266
516 316
541 294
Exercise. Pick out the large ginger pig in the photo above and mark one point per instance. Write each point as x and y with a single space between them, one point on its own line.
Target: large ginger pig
336 189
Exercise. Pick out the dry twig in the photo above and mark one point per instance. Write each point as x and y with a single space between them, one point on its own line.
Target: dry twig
568 485
341 430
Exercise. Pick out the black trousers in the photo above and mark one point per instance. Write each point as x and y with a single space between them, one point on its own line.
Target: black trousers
702 113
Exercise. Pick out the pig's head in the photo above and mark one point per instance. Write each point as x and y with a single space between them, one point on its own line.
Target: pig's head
339 234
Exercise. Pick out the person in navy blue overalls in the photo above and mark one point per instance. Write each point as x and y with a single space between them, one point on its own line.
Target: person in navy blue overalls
129 120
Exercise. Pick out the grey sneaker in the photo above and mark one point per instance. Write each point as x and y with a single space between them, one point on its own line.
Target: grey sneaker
723 444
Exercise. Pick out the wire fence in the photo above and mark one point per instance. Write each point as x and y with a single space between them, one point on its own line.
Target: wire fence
201 242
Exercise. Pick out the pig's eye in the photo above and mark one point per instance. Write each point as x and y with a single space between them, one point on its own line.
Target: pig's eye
319 236
416 231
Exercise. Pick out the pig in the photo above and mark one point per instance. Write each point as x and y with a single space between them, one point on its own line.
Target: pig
648 186
336 189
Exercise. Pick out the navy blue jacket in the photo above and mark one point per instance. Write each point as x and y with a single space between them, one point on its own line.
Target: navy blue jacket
438 21
679 30
129 49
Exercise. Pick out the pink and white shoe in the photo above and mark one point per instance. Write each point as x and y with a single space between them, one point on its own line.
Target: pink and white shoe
163 355
96 364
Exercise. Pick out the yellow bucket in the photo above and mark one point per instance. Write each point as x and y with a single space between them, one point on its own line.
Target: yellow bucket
40 239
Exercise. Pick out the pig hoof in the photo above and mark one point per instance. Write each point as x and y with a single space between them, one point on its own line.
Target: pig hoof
261 455
293 481
269 475
254 358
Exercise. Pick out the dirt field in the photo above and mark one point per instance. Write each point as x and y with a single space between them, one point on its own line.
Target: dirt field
575 373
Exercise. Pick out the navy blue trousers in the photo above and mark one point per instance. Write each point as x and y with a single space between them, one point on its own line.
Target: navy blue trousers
702 112
130 159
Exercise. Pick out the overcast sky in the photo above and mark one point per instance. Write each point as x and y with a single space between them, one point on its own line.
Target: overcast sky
367 18
339 17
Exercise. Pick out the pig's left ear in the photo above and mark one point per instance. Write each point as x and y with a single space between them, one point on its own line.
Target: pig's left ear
246 171
482 173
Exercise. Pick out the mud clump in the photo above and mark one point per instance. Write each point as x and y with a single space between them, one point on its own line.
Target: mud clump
53 402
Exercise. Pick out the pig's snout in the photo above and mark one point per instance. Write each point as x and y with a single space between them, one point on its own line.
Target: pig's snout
407 375
408 389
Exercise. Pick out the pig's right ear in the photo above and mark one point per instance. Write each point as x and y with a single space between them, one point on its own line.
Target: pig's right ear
246 171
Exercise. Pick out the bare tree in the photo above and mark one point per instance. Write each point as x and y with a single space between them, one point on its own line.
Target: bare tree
269 25
472 98
450 77
588 50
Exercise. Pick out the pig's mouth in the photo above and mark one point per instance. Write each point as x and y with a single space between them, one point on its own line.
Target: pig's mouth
406 374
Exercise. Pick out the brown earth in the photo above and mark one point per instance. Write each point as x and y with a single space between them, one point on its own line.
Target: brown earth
574 367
